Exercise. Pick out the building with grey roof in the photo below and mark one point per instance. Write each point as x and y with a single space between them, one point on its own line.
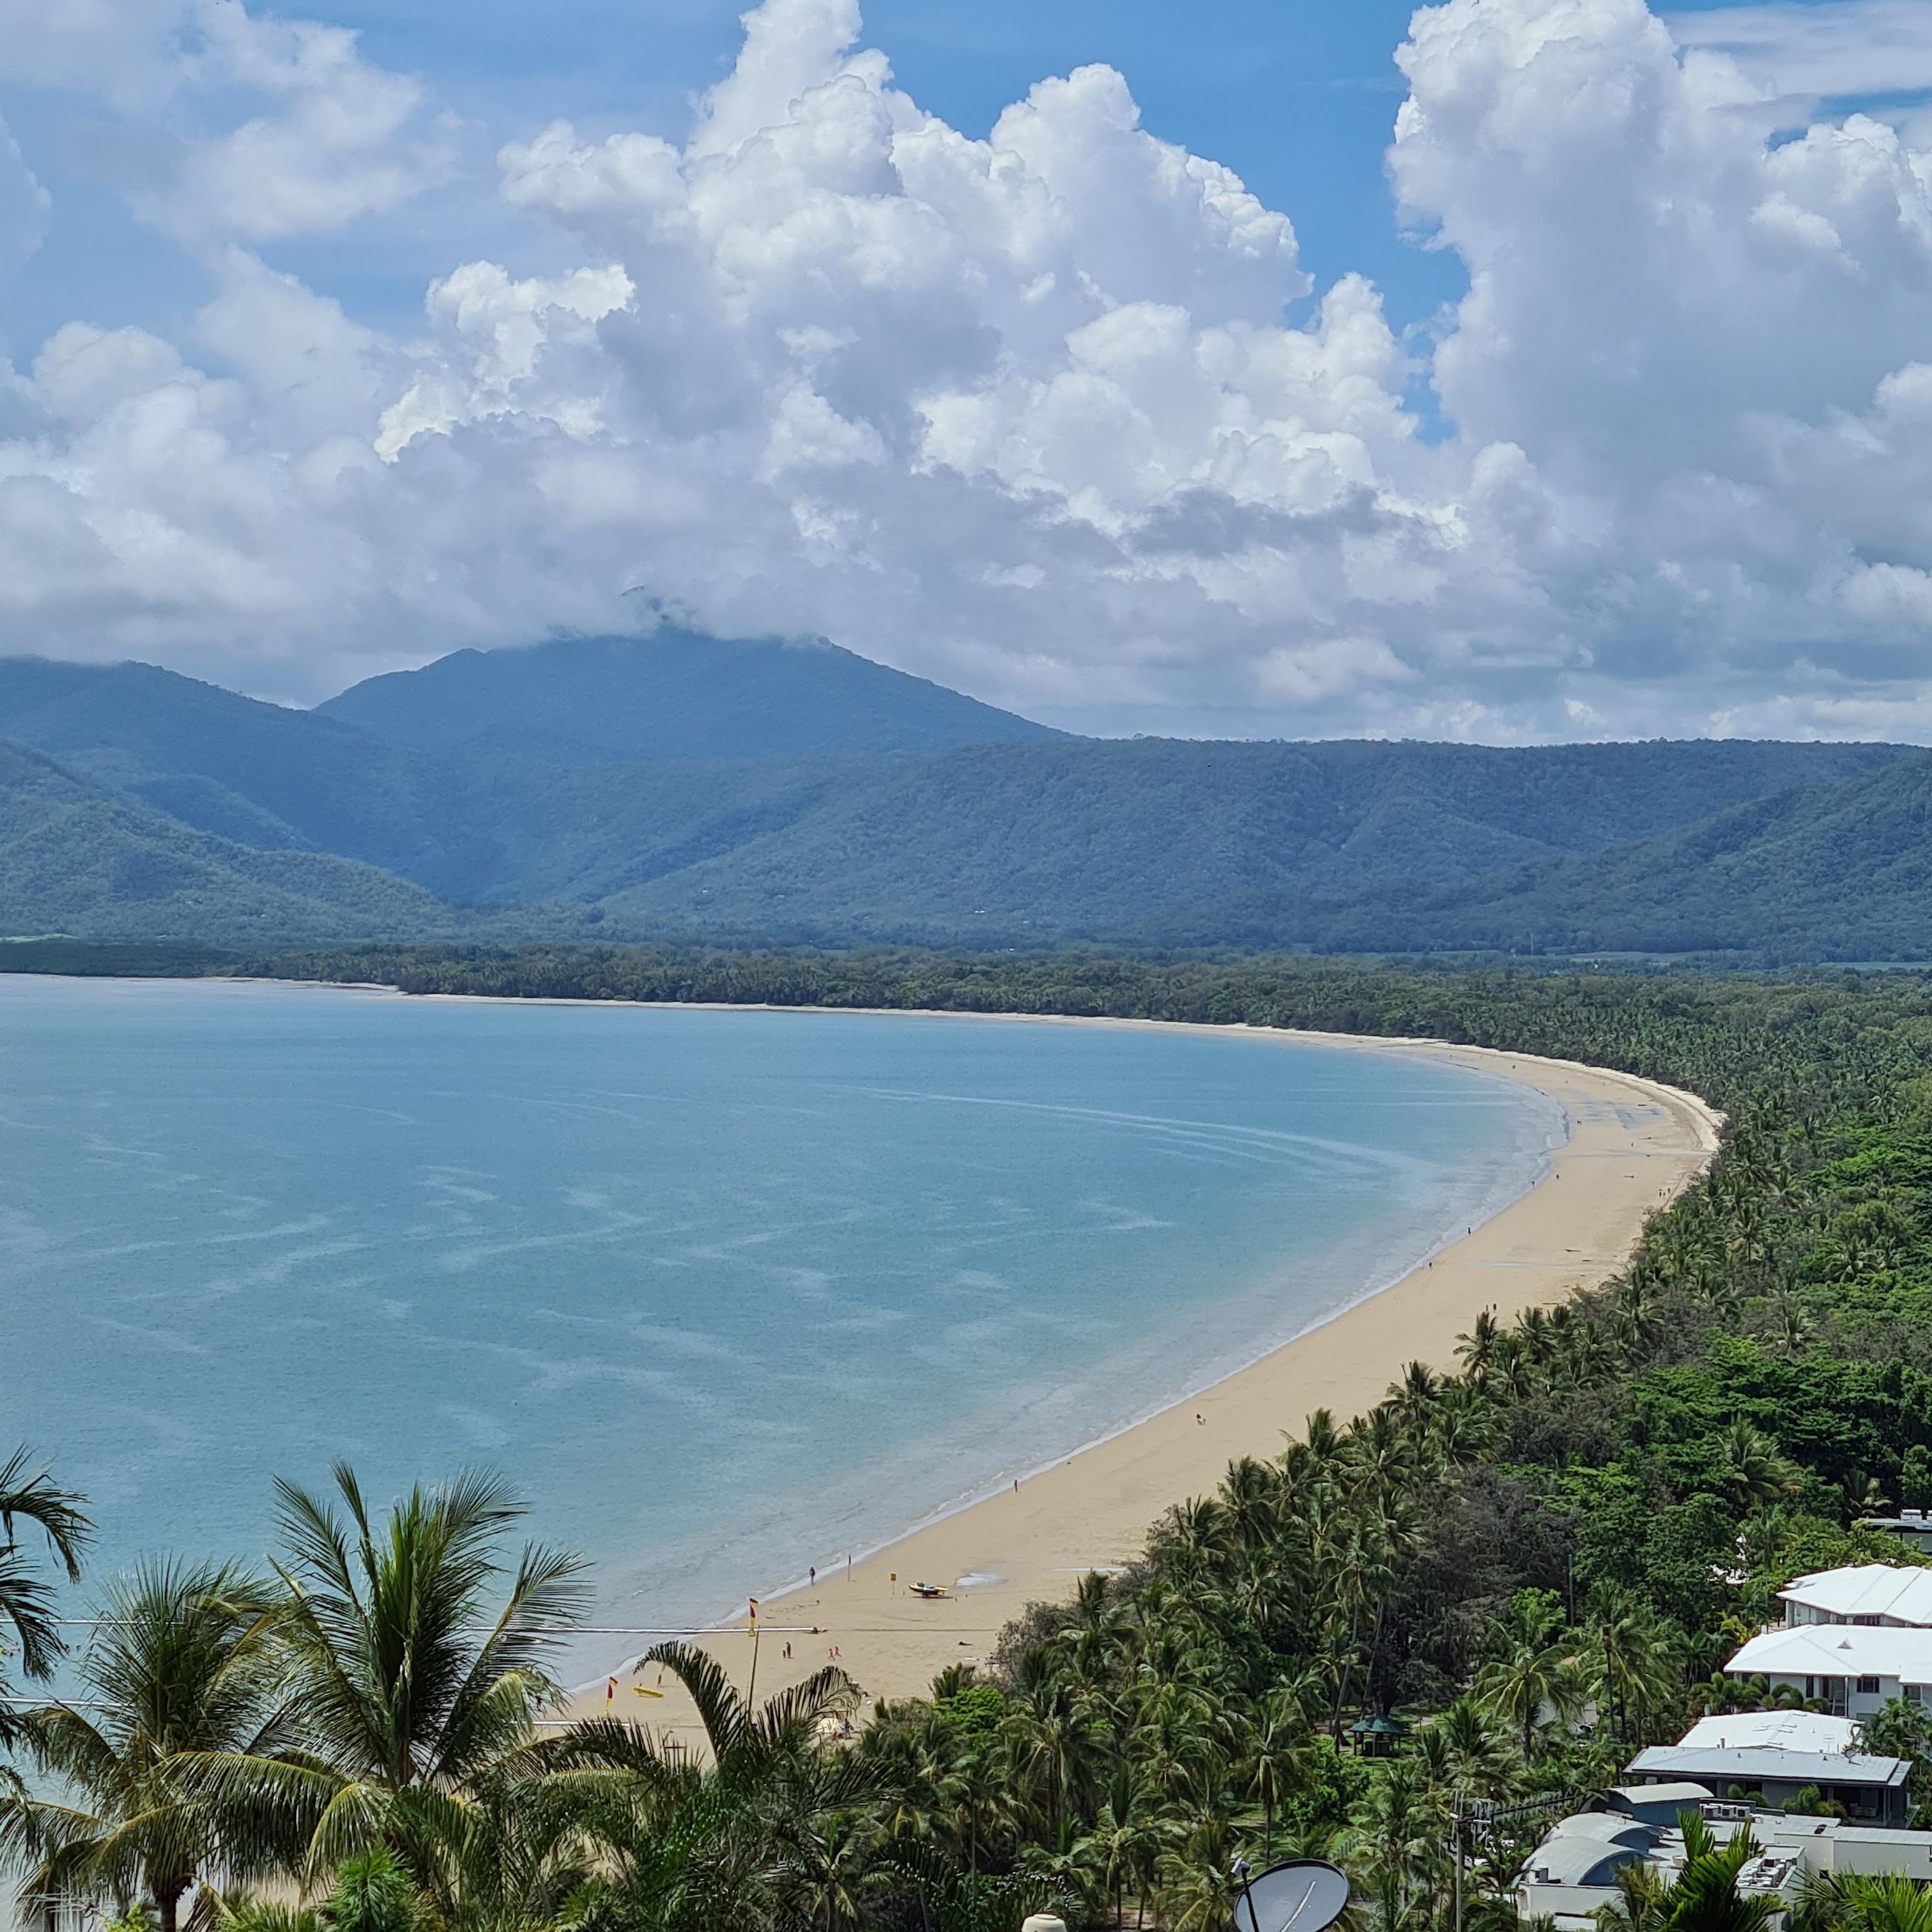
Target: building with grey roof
1871 1789
1912 1527
1572 1874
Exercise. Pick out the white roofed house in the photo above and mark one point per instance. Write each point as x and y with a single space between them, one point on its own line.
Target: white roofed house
1882 1596
1853 1670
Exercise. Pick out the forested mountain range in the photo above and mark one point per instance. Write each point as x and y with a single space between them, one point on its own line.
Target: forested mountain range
678 787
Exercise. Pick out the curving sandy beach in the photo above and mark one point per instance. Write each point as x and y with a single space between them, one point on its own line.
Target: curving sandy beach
1633 1144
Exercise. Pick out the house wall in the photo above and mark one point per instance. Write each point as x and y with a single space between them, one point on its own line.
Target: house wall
1849 1697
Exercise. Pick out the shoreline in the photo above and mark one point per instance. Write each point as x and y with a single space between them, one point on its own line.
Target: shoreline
1633 1144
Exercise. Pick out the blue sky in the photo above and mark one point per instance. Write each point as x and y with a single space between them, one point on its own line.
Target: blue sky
328 358
1297 96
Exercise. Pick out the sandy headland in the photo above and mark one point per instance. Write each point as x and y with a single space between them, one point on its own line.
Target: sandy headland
1632 1145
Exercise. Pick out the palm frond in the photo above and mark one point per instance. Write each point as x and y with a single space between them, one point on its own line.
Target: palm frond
725 1717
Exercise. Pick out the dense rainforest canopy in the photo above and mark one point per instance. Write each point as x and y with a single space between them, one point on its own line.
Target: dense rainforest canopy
1528 1563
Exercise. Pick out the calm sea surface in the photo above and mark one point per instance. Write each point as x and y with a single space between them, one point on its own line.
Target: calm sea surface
725 1294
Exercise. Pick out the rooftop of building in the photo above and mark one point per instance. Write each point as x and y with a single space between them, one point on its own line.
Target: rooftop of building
1753 1764
1895 1590
1771 1730
1838 1650
1585 1848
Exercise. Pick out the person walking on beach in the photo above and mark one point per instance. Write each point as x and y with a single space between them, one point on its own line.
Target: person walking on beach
812 1572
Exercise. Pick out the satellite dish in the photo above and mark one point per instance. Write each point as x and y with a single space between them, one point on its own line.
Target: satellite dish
1300 1895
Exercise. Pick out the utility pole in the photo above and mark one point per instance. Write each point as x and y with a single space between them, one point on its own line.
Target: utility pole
1480 1818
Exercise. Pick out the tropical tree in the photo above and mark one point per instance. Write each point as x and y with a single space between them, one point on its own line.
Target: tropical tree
413 1685
1392 1849
372 1893
29 1496
1750 1469
766 1830
1858 1903
1635 1660
183 1672
1125 1844
1534 1680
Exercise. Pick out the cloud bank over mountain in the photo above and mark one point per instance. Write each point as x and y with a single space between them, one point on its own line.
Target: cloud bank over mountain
1055 417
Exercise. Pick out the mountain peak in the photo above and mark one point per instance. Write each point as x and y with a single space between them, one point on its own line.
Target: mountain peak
672 693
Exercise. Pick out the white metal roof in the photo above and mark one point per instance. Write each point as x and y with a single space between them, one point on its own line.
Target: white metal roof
1771 1730
1866 1590
1838 1650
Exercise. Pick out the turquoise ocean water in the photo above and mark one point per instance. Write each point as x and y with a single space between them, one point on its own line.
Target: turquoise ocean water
725 1294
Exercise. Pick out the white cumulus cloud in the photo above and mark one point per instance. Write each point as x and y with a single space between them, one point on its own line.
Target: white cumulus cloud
1056 414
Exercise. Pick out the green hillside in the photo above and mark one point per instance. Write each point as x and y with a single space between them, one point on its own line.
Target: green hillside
1173 843
1842 871
490 795
75 859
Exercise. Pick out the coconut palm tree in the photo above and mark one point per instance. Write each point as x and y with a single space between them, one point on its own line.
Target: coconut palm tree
1054 1737
1857 1902
1643 1900
183 1671
1636 1660
763 1832
1704 1896
1475 1349
413 1686
1534 1680
1751 1468
785 1724
1125 1843
1393 1849
27 1495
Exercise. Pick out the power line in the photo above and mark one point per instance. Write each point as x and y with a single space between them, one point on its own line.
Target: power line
665 1630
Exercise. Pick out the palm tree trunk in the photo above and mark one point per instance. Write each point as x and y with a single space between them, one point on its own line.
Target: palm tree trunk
167 1902
1374 1650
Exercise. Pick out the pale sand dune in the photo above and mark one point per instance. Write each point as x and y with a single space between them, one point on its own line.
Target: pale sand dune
1633 1144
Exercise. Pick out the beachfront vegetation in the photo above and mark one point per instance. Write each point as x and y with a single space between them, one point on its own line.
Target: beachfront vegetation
1492 1588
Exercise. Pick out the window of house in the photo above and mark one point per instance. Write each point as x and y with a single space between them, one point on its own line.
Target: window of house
1867 1687
1914 1693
